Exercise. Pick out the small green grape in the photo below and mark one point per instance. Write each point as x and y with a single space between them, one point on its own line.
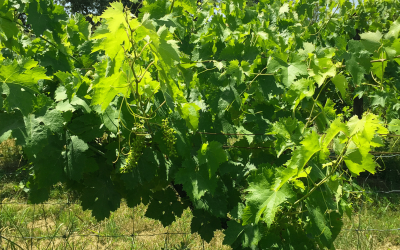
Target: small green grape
137 146
169 137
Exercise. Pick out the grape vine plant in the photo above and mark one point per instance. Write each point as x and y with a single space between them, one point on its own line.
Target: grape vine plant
256 115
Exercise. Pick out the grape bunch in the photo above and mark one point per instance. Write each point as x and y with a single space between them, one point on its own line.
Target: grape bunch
137 145
169 137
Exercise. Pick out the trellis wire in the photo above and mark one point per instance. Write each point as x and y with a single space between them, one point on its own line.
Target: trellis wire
359 230
10 239
167 234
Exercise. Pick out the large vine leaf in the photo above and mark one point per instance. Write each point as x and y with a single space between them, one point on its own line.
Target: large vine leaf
164 207
75 157
100 196
289 70
196 180
262 201
300 157
325 221
25 73
107 88
213 155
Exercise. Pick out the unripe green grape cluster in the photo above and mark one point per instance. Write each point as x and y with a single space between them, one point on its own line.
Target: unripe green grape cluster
136 149
169 137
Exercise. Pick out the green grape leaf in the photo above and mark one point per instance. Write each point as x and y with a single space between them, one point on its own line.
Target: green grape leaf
327 114
107 88
188 5
75 157
263 202
166 50
367 125
5 136
78 30
138 195
56 59
195 180
371 40
164 207
60 94
72 82
268 86
11 121
204 224
33 136
355 70
190 112
219 27
393 30
355 125
18 98
300 157
300 89
217 77
240 236
145 170
154 10
379 98
87 127
363 132
169 50
182 140
216 203
341 84
358 161
7 26
379 68
49 164
394 126
111 35
373 125
236 71
100 196
287 236
284 131
213 155
325 221
219 65
289 70
247 134
336 127
110 116
359 63
321 69
233 232
53 120
44 15
24 73
38 195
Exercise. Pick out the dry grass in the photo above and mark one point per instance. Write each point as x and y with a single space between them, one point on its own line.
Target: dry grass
80 229
10 155
380 213
77 229
63 226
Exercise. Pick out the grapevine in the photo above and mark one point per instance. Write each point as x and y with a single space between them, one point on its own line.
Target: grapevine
247 109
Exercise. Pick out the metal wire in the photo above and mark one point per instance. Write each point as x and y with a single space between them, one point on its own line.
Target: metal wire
8 238
372 192
371 229
4 238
